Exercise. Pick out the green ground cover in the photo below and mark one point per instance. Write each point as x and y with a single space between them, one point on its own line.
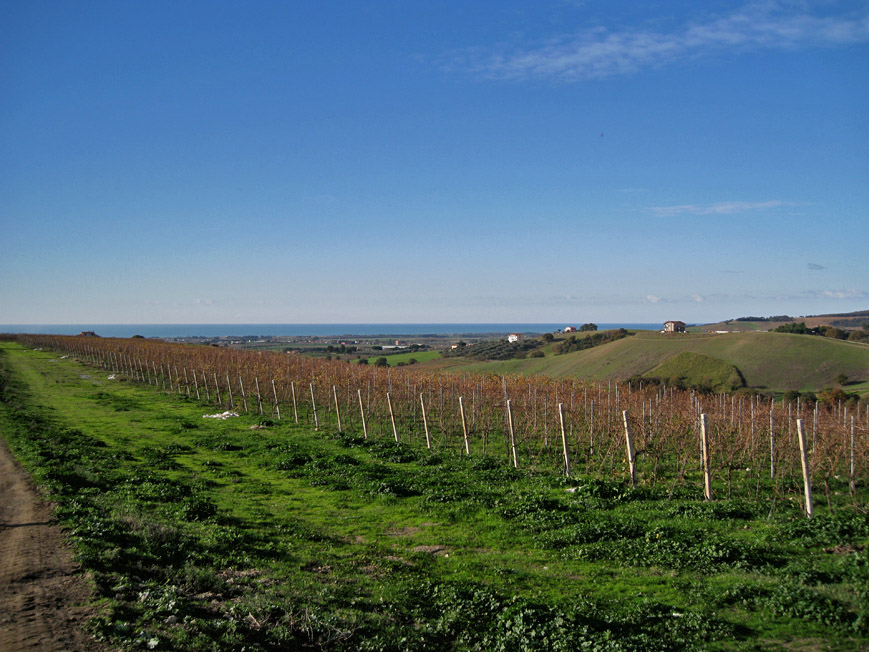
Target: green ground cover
405 358
203 534
697 370
776 362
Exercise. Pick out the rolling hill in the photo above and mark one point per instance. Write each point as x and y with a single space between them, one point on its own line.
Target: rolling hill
776 362
845 320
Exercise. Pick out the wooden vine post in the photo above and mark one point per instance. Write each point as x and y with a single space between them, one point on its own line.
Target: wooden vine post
464 427
512 434
564 439
425 422
295 407
807 476
629 442
704 449
229 387
217 389
362 412
392 416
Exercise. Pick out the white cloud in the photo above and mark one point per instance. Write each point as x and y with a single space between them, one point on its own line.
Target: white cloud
845 294
599 52
651 298
718 208
697 298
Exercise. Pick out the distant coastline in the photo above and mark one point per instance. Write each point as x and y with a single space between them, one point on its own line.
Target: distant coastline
321 330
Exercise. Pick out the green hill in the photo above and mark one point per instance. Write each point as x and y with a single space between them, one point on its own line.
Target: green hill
698 370
771 361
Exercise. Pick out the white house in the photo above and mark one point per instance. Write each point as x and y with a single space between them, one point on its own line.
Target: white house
514 337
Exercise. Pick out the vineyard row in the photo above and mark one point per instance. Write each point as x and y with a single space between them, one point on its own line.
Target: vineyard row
649 433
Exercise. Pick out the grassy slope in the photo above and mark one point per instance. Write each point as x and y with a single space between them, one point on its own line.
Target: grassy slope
699 370
811 322
777 361
395 358
293 528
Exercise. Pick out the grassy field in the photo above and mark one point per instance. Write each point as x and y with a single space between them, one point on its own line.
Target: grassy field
772 361
206 534
405 358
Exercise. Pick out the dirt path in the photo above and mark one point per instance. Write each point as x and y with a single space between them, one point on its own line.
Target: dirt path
41 597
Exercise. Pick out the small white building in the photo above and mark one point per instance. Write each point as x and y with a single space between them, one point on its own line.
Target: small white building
514 337
674 326
570 329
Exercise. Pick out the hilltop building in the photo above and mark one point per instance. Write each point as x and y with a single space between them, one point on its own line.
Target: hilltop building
674 326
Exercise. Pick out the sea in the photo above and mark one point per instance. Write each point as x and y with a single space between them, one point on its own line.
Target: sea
170 331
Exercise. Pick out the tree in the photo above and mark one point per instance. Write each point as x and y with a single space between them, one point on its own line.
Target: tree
381 362
362 361
548 337
588 327
793 327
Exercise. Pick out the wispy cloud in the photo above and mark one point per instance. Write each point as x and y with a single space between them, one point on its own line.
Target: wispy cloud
845 294
718 208
815 266
599 53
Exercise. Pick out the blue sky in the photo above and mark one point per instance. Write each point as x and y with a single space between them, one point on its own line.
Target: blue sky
453 161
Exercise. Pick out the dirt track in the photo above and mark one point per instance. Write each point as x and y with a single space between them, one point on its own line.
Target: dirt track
41 596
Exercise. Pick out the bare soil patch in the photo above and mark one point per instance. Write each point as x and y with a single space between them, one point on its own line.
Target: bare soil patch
43 599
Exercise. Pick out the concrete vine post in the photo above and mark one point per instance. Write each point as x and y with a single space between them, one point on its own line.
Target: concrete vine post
704 448
337 407
229 389
629 442
295 407
771 441
564 440
425 422
243 395
362 413
277 404
392 416
464 427
807 475
512 434
314 408
852 482
259 398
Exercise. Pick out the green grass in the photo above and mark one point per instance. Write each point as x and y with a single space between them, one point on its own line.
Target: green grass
207 535
697 370
405 358
772 361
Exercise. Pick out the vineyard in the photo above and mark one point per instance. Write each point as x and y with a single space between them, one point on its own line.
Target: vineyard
510 514
648 434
